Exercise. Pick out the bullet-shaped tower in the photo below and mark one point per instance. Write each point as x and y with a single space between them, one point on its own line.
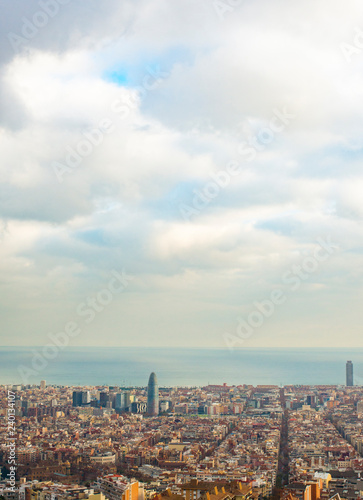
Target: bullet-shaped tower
153 396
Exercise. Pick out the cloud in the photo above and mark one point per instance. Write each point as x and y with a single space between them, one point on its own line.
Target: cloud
115 116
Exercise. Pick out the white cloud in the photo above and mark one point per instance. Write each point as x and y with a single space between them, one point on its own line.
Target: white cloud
181 89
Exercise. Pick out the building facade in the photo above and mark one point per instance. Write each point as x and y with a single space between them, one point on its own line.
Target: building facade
349 374
153 396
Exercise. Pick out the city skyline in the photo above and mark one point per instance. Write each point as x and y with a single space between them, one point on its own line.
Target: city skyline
263 441
200 187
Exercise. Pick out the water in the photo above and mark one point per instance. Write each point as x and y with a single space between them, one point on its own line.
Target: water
129 366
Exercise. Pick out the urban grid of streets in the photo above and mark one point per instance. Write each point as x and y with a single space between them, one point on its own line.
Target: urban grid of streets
271 441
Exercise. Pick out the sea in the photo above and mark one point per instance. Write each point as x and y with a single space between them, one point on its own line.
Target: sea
176 366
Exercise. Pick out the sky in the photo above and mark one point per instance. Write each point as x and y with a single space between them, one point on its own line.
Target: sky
181 173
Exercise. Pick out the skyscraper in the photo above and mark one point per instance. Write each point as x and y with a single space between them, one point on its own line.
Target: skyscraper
81 398
122 400
153 396
86 397
104 399
77 398
349 371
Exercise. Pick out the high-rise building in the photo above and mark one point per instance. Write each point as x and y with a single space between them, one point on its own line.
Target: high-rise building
42 384
77 398
128 398
138 407
81 398
104 399
122 400
311 400
349 372
153 396
24 407
86 397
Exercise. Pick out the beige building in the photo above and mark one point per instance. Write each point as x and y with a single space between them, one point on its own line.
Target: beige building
117 487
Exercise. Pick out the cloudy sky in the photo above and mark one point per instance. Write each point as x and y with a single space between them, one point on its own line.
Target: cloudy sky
209 152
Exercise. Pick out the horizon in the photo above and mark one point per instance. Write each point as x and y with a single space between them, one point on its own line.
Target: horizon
24 346
182 366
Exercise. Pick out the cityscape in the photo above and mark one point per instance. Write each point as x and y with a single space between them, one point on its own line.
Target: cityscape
181 250
216 442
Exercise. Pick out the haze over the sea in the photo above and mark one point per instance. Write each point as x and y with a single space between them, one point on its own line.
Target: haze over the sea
185 367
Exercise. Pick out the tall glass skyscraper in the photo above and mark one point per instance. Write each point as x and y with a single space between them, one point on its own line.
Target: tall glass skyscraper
349 372
153 396
81 398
